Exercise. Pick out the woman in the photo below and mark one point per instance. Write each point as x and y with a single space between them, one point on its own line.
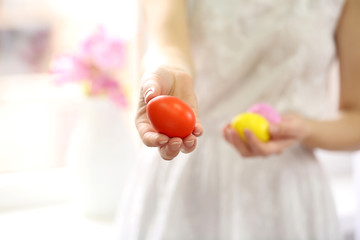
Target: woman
229 55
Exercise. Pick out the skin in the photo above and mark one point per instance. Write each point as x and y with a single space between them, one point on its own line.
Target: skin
166 80
169 70
342 133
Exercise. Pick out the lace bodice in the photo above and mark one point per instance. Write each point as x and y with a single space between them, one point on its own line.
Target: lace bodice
276 51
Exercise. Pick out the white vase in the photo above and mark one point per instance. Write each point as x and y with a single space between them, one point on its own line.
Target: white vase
100 157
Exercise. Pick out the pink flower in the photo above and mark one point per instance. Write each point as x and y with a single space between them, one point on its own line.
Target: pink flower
102 51
118 98
103 84
92 66
68 69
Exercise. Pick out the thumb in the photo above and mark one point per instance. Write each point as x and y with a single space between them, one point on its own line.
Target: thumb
285 129
274 130
150 90
156 82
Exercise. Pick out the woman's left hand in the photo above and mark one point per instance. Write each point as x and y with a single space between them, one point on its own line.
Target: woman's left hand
292 130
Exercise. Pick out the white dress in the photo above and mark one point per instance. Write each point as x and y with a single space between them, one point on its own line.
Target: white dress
245 51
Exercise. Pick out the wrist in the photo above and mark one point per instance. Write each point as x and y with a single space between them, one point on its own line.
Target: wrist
308 132
169 57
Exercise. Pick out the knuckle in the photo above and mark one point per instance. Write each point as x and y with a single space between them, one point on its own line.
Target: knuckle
147 142
245 154
262 152
166 154
187 150
265 152
279 152
184 75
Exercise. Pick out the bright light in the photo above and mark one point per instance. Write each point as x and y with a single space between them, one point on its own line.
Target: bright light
119 16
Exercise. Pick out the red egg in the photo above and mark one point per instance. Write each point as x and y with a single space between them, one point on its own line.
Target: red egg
171 116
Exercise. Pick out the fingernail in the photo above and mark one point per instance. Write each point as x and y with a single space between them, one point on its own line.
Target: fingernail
229 135
149 92
162 142
196 133
190 143
228 132
175 146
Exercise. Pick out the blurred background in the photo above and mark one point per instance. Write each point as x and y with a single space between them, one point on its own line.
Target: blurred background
59 176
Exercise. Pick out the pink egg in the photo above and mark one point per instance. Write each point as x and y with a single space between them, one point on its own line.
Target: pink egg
266 111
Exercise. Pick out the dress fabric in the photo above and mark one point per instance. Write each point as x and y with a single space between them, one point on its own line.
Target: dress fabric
245 51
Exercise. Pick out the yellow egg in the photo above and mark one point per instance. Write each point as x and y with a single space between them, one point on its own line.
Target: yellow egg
254 122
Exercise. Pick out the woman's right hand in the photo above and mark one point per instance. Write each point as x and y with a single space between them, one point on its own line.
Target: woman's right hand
166 80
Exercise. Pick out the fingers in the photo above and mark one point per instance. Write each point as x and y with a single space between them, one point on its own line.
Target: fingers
253 147
170 150
150 90
147 133
189 144
169 147
198 130
192 102
162 81
232 137
173 147
260 148
281 130
292 126
150 137
154 139
156 82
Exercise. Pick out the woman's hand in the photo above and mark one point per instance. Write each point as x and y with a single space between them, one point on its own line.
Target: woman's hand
166 80
293 129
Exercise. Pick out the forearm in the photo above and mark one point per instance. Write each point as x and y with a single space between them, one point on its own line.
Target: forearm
342 133
158 55
168 34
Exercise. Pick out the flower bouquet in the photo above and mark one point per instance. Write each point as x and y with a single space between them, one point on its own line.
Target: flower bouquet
99 153
94 65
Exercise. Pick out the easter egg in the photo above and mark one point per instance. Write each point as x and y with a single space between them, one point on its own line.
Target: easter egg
171 116
266 111
253 122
